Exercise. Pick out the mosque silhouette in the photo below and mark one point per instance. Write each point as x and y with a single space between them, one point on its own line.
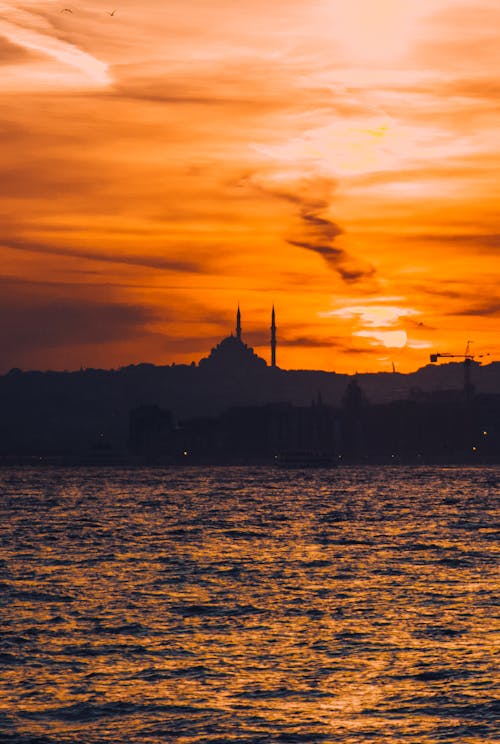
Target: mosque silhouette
233 353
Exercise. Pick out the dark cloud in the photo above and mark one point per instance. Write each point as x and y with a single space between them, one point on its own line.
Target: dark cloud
309 342
200 309
262 338
440 290
197 91
153 262
338 260
287 338
259 92
35 323
316 233
473 87
361 350
153 94
488 241
189 344
12 53
49 178
328 252
464 301
483 309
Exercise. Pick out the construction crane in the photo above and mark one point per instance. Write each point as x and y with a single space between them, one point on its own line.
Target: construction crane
468 358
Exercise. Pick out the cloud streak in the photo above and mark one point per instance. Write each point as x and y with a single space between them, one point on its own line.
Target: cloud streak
152 262
482 241
21 30
484 309
317 233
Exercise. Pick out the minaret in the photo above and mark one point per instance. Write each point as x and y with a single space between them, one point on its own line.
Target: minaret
238 324
273 339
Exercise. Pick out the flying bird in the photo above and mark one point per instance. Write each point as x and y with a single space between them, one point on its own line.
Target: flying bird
66 10
112 12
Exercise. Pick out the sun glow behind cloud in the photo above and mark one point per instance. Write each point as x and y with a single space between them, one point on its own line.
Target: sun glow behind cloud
376 32
378 321
374 315
346 149
389 339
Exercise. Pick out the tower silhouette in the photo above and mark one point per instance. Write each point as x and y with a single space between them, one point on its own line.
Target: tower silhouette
273 338
238 324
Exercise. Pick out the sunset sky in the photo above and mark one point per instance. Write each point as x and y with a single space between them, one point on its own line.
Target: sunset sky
161 164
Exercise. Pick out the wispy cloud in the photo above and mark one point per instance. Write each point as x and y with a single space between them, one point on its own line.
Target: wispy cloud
471 241
31 32
489 308
310 342
312 230
154 261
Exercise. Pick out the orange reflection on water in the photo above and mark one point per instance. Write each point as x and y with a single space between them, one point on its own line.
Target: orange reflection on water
193 605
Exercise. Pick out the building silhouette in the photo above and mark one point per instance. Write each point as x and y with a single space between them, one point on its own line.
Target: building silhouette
233 354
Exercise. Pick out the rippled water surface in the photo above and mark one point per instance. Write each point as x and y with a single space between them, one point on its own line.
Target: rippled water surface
249 605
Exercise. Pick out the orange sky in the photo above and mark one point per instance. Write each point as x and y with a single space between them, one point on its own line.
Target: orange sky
159 165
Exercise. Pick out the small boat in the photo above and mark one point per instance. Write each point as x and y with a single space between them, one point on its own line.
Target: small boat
305 459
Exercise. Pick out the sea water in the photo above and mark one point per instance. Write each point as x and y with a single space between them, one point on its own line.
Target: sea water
249 605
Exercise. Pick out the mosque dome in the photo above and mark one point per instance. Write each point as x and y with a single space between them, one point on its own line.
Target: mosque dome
232 354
